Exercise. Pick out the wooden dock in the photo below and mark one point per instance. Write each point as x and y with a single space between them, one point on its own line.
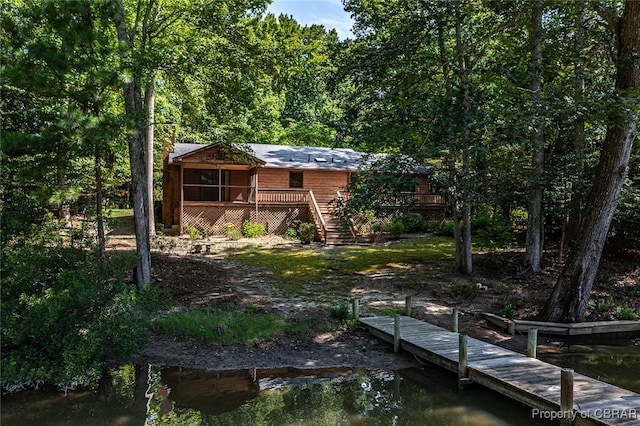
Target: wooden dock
524 379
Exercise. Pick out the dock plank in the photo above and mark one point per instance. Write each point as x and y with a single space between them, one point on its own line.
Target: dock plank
528 380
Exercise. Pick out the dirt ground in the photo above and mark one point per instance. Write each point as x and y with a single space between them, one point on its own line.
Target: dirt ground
208 278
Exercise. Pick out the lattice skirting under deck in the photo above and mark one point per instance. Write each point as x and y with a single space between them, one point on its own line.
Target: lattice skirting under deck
211 219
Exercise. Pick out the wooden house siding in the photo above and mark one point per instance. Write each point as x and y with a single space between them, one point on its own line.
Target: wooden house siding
323 183
257 188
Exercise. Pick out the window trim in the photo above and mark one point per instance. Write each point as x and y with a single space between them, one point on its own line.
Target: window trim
293 179
223 186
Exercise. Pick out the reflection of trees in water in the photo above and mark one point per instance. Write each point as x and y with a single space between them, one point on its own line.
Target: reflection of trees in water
289 397
619 369
282 397
324 397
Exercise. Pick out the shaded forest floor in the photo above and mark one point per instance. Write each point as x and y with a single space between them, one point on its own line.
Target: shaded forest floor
220 277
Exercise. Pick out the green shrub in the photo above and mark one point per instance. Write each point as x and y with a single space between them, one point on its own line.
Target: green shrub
509 309
625 226
307 232
231 232
432 225
340 312
194 233
291 234
64 313
253 229
374 231
395 227
446 228
490 233
624 312
343 315
414 222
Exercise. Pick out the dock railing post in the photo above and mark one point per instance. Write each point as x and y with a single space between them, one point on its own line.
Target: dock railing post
408 305
454 321
355 303
396 333
566 396
532 342
463 370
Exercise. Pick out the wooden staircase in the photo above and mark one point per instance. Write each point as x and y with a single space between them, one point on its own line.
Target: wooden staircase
336 234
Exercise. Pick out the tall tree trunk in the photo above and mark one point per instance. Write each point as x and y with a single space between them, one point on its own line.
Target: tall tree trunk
134 109
568 301
453 156
579 143
149 107
535 222
467 259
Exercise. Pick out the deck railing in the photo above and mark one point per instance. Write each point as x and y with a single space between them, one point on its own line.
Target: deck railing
317 215
425 198
283 196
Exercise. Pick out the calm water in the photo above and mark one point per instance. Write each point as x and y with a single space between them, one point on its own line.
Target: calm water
619 369
177 396
152 395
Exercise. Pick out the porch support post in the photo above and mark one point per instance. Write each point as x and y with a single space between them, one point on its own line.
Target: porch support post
219 184
256 194
181 199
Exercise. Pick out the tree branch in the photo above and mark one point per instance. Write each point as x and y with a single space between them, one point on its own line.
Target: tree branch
607 14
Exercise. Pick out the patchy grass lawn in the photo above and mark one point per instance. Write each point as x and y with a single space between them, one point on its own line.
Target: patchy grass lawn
119 212
293 268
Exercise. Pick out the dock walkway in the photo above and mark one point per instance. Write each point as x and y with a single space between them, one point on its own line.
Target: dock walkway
527 380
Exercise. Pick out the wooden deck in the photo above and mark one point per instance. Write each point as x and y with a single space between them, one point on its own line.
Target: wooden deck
528 380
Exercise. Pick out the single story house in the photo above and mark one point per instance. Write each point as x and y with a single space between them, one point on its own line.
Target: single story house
208 186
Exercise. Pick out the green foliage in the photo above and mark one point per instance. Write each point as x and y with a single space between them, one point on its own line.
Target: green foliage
625 227
343 315
395 227
291 234
216 326
446 228
510 308
488 233
194 233
231 232
64 313
307 232
491 233
414 222
253 229
624 312
381 183
340 312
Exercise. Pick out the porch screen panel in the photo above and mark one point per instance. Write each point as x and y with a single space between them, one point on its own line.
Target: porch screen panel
206 185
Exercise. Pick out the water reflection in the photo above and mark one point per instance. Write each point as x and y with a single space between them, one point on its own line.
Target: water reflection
325 397
620 369
344 396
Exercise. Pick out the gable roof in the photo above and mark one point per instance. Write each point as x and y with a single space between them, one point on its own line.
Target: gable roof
290 157
284 156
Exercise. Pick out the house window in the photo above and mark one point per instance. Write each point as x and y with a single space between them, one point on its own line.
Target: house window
206 185
295 180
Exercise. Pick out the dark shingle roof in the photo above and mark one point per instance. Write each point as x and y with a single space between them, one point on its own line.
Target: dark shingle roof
289 157
293 157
